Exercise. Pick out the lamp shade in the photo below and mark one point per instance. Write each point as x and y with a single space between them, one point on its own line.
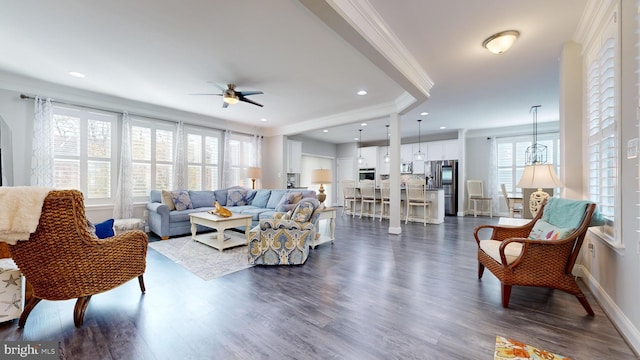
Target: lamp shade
254 172
538 176
321 176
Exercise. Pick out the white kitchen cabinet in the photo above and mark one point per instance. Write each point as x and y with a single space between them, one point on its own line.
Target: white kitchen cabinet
370 155
406 153
294 156
383 167
418 165
443 150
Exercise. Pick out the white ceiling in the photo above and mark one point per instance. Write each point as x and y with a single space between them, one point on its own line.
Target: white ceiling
301 54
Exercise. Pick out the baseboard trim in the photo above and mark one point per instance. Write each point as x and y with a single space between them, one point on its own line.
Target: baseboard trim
395 230
627 329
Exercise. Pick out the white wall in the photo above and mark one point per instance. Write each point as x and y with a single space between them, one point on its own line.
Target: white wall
18 115
612 273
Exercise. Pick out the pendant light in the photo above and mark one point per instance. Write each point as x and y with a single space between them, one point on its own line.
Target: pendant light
360 158
419 156
387 158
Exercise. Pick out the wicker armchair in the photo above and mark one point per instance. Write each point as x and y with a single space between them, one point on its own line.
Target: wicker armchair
525 262
62 260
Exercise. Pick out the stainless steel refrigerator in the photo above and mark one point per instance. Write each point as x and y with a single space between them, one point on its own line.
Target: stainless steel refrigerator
444 175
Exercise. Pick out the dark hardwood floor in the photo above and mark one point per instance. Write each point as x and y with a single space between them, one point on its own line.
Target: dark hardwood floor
370 295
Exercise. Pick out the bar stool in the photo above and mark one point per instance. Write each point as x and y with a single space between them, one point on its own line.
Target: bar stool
368 196
350 196
384 197
417 196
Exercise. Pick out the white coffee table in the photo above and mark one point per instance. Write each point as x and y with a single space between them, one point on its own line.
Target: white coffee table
220 224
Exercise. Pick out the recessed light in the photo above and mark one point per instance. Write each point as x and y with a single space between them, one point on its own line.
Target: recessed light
363 124
76 74
325 131
362 92
263 120
424 113
442 127
356 139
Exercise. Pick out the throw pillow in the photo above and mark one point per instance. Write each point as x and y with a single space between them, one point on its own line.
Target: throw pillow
542 230
261 198
289 201
303 211
237 197
181 200
105 229
168 200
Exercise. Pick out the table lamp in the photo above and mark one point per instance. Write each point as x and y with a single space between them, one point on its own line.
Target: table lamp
254 173
538 176
321 176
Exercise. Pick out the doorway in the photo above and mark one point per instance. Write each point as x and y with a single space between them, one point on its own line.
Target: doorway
310 163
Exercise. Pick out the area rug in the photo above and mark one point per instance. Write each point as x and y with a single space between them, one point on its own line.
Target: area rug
202 260
508 349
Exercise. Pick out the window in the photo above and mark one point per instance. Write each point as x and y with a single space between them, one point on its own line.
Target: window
511 159
242 154
152 145
601 111
84 152
203 158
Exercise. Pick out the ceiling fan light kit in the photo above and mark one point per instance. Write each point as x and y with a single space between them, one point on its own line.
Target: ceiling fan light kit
232 96
501 42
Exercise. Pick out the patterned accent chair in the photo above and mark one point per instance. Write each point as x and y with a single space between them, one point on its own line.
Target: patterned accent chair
284 240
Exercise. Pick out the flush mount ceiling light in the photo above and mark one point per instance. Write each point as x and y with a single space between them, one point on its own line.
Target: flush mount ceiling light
501 42
362 92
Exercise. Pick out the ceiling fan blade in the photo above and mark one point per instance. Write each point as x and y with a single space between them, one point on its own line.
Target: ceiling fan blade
247 93
207 94
225 105
242 98
222 88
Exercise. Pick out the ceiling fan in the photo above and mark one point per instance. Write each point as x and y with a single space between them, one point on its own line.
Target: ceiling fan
232 96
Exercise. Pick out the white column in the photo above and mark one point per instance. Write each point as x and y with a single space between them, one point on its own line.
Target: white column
571 120
394 175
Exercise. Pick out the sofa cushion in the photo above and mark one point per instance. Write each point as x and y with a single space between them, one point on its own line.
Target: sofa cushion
492 248
167 199
274 198
221 196
202 198
237 197
181 200
261 198
155 196
542 230
255 212
268 214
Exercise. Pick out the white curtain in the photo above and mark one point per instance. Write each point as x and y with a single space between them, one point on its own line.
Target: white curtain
123 208
42 154
179 160
490 189
227 176
257 148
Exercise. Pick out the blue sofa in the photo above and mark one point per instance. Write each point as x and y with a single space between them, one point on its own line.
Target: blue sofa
262 204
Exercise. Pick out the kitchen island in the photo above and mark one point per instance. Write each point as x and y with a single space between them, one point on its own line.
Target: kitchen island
436 207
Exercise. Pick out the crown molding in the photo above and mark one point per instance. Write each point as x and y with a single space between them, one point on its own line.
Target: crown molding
363 17
591 20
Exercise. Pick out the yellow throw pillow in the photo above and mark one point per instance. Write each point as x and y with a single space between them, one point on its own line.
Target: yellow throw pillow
168 200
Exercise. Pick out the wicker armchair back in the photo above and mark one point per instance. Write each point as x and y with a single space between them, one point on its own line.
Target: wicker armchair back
62 260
